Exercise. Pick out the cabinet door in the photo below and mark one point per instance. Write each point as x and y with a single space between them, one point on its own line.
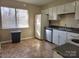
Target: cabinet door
60 9
62 37
70 7
77 11
50 13
46 11
48 35
55 13
55 37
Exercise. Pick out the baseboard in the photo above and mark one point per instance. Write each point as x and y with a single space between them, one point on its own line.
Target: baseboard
5 41
8 41
27 38
39 39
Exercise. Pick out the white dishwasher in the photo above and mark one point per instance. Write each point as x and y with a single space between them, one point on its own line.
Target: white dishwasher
49 33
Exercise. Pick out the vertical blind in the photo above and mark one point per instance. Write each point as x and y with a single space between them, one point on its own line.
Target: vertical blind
22 18
8 17
14 18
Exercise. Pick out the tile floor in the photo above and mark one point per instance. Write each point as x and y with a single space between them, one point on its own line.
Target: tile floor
31 48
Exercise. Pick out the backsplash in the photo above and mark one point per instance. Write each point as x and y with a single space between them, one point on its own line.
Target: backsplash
67 20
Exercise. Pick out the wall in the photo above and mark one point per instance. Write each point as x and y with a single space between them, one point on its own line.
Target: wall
68 19
55 3
28 32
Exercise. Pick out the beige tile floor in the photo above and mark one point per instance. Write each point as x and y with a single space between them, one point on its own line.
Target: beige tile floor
31 48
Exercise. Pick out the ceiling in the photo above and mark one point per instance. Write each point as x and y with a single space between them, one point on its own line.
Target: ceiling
36 2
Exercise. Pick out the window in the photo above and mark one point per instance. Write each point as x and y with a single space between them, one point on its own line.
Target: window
8 17
22 18
14 18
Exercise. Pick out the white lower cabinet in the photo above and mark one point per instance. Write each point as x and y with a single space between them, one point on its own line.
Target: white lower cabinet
55 37
59 37
48 35
62 37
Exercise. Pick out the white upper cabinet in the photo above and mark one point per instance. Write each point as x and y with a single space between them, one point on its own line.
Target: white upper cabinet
53 13
60 9
70 7
77 11
46 11
55 39
66 8
50 13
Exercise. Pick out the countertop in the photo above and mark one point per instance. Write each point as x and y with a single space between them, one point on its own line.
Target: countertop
62 28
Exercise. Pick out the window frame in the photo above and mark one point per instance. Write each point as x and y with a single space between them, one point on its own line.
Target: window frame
15 19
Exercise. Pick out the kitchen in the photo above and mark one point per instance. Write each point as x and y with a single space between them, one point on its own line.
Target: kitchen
63 26
56 23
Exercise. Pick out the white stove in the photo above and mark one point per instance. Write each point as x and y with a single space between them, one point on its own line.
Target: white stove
73 42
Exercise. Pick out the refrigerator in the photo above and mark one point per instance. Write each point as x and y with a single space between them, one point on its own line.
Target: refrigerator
41 21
